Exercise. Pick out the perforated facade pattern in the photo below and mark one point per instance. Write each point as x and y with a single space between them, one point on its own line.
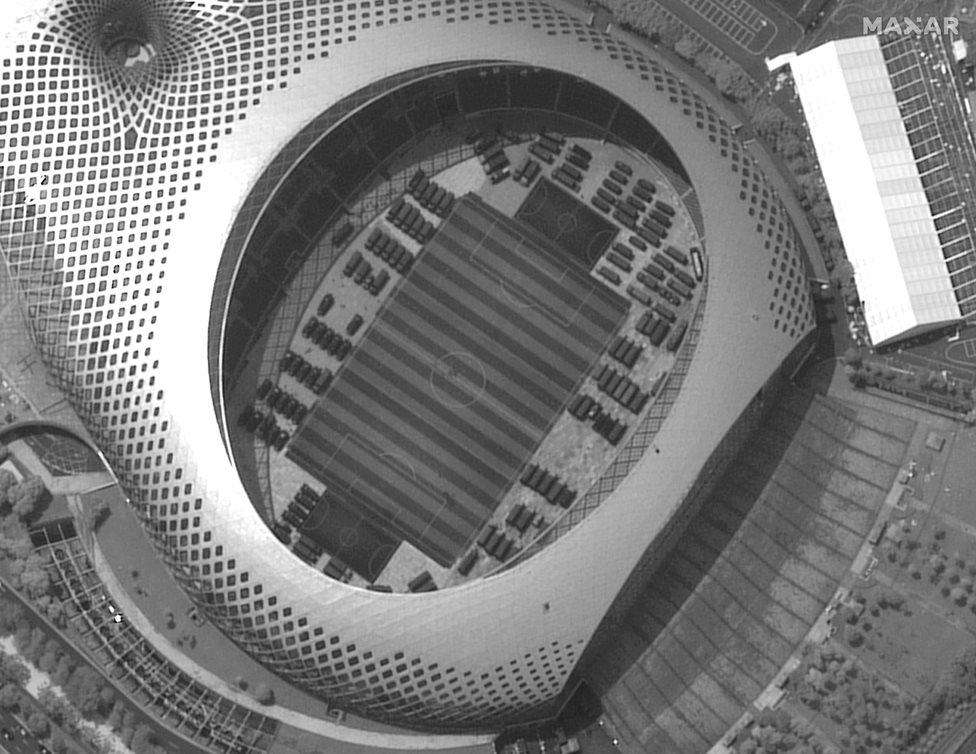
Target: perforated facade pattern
121 185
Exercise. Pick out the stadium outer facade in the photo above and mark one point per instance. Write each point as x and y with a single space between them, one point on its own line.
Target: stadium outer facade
120 188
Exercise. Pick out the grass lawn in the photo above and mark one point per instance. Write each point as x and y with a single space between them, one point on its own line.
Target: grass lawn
839 694
959 478
935 563
911 646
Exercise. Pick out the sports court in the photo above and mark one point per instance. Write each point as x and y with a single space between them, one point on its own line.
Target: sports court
579 231
348 535
457 381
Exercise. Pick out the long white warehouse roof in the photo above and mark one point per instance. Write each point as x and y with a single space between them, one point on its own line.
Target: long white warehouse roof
875 188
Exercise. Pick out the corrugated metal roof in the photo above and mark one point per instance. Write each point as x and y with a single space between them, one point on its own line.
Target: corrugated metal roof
875 188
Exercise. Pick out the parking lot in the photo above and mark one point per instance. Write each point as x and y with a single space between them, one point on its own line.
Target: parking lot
739 21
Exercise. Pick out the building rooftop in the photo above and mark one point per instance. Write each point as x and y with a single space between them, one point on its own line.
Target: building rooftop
867 146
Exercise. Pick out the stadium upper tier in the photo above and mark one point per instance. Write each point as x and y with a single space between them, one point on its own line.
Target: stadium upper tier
140 144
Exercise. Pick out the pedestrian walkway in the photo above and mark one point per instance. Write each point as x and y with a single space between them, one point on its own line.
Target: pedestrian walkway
354 740
74 484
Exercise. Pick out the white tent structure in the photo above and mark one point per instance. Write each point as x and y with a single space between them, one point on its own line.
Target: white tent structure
875 188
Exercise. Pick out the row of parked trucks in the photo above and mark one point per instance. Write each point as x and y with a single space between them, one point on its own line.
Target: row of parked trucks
626 351
549 485
570 173
406 217
547 146
263 426
326 338
495 543
429 195
491 155
638 211
296 513
587 408
282 402
621 388
317 379
361 271
389 250
527 171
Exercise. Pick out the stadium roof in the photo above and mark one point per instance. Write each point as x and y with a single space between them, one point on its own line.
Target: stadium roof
875 187
489 651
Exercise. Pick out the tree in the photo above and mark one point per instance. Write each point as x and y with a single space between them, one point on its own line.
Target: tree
33 651
24 496
13 670
10 614
768 120
48 662
34 578
114 719
63 671
106 699
14 540
54 610
22 634
686 47
749 746
777 719
7 480
891 600
83 690
707 63
9 697
853 637
793 147
127 728
264 694
95 512
733 83
852 357
59 709
38 724
856 376
58 745
143 741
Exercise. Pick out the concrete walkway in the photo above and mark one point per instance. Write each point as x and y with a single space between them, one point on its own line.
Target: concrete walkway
357 740
75 484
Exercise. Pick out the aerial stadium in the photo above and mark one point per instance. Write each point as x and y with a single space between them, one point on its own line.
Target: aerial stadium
415 331
920 278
